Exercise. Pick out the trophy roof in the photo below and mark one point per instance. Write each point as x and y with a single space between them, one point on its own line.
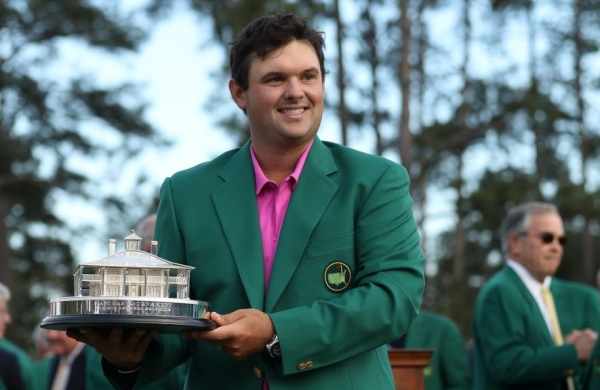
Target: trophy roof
134 259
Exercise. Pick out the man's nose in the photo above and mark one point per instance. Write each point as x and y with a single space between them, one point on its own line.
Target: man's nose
294 89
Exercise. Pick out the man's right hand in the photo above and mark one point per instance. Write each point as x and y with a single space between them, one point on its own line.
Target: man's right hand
123 352
583 341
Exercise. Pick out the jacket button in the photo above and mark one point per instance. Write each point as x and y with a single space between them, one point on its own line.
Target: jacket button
256 372
305 366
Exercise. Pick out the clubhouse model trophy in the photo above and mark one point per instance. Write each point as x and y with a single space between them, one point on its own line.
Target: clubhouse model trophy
130 289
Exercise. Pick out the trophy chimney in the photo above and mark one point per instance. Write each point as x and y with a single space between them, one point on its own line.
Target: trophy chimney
112 246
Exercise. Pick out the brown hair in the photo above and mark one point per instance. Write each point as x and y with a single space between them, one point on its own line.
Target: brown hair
267 34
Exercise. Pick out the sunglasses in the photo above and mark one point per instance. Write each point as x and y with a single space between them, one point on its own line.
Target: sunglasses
548 238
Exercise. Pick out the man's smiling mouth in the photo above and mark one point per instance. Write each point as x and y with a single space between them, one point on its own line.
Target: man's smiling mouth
293 111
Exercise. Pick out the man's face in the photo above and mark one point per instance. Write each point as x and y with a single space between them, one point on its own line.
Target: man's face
284 99
535 250
60 344
4 318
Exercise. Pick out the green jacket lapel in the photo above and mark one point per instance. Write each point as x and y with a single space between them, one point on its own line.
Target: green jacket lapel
538 321
560 299
309 200
563 301
235 201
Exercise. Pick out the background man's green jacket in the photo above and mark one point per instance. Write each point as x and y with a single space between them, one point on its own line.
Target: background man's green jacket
86 368
93 376
592 370
513 346
448 367
23 358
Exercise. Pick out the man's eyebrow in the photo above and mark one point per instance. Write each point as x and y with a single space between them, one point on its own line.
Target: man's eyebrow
280 73
271 74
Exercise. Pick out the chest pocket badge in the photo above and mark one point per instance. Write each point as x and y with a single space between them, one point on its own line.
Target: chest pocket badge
337 276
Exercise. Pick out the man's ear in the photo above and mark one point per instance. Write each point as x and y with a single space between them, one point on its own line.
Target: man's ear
237 93
513 243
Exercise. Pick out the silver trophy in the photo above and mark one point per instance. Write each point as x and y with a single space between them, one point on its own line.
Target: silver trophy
130 289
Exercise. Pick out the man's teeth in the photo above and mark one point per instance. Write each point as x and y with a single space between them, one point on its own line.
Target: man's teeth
293 111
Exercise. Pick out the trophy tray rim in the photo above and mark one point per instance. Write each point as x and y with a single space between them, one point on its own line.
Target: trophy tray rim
164 324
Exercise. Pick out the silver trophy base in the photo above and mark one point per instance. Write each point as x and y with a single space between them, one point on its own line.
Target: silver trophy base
166 315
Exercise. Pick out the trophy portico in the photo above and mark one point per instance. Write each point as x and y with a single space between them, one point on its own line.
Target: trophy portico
130 288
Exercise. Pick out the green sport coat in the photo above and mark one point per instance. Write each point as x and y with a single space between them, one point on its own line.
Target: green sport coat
347 275
591 379
41 367
448 367
22 357
10 373
513 347
86 370
93 377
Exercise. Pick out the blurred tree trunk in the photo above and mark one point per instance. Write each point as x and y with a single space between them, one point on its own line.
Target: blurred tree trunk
419 176
405 135
533 99
370 54
4 236
458 269
341 73
588 269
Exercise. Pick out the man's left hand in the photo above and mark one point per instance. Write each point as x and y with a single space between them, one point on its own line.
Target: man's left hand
240 334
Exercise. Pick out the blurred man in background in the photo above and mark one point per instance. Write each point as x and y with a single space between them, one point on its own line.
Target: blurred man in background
5 344
71 366
10 374
145 229
448 367
531 329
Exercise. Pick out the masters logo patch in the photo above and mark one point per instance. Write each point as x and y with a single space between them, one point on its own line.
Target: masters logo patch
337 276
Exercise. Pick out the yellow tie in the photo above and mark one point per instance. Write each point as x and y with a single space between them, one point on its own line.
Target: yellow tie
556 332
60 378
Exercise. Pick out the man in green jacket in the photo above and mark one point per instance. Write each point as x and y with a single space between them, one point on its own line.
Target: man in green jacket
525 338
308 251
448 367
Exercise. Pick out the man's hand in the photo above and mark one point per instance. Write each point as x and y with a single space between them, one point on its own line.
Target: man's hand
584 341
123 352
240 334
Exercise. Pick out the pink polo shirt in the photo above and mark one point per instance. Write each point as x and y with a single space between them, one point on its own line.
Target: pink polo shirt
272 201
